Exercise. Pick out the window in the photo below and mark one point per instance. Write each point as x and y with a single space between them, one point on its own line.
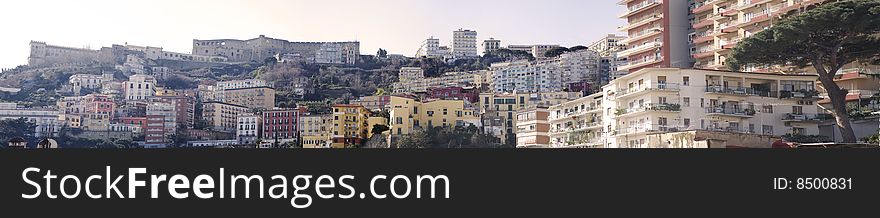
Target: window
767 129
686 81
797 110
686 101
687 123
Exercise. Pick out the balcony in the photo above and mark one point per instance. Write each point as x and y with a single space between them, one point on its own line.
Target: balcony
671 87
640 63
705 6
651 107
801 117
800 94
639 23
644 129
640 7
704 37
704 23
705 52
728 111
644 34
641 48
730 90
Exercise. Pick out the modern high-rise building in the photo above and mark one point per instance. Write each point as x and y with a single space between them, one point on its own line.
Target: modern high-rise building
464 44
657 34
491 45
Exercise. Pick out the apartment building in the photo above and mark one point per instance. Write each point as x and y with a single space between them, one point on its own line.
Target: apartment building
498 113
47 121
549 75
255 97
412 80
608 47
89 81
249 129
373 103
533 128
350 127
657 34
280 127
577 123
410 114
139 87
223 117
720 24
490 45
315 130
464 44
168 113
663 100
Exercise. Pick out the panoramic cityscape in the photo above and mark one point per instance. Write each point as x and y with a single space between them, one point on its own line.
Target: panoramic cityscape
674 74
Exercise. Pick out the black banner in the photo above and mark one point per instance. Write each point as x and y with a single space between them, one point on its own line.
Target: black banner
494 183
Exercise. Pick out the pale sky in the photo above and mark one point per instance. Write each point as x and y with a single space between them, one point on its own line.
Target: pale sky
398 26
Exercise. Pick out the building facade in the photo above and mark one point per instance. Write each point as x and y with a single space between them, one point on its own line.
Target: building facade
490 45
315 130
139 88
409 114
663 100
533 128
249 129
221 116
464 44
657 33
280 127
350 126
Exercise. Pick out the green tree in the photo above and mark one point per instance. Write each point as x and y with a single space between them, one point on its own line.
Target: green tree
578 48
382 53
555 52
379 129
16 128
826 38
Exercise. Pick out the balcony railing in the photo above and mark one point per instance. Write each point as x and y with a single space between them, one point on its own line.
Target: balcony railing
807 117
656 87
668 107
731 111
641 48
639 7
799 94
740 91
646 129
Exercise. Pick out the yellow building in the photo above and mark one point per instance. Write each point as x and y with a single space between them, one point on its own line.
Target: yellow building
350 126
315 130
408 115
499 111
255 97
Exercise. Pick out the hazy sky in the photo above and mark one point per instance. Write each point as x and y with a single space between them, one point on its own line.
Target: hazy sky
399 26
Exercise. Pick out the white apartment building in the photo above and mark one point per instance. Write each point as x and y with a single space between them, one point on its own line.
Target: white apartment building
464 44
491 45
525 76
241 84
550 75
662 100
139 87
657 33
249 126
89 81
47 120
577 123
